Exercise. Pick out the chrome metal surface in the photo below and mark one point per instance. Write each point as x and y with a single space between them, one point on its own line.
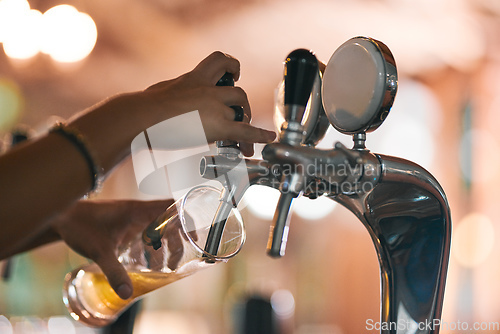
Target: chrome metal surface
314 123
359 85
278 235
236 175
402 206
301 76
408 218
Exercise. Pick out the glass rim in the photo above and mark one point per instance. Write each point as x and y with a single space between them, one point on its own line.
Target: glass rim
193 242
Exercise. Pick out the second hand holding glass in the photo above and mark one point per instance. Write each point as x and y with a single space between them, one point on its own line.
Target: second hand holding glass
170 248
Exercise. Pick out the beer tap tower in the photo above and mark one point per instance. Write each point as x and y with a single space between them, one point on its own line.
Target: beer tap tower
402 206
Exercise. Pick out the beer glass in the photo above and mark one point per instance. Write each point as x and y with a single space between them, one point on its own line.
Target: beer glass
170 248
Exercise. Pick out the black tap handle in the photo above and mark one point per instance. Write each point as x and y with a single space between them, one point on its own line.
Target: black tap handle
226 80
301 69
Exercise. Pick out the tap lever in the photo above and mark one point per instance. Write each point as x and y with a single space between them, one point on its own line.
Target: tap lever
301 70
228 80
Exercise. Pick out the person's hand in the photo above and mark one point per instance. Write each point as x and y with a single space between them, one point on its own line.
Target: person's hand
197 90
167 231
96 229
54 171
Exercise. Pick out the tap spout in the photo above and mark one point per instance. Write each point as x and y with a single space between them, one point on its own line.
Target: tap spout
312 172
236 175
278 234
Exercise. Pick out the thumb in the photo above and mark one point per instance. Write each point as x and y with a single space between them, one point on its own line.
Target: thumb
116 274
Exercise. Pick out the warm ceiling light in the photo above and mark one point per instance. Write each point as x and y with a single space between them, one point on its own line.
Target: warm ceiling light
10 13
473 240
23 40
68 35
261 201
313 209
63 32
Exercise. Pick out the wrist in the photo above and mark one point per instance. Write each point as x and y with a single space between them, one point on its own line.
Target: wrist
80 143
110 126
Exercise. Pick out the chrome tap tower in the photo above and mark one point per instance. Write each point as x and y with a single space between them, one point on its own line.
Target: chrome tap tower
402 206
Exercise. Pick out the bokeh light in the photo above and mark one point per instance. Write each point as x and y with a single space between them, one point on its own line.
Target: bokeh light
411 128
5 325
23 41
261 201
62 32
60 325
10 104
478 145
313 209
283 303
151 321
11 12
28 324
473 240
69 35
411 140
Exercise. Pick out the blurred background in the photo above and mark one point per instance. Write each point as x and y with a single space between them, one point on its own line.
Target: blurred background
445 118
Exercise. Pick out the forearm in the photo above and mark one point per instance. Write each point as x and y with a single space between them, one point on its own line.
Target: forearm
37 180
44 236
42 178
110 127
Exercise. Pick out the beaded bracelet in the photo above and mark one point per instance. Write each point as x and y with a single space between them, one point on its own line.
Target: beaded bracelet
76 138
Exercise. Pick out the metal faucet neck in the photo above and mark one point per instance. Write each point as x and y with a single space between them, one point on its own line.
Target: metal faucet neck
292 133
359 141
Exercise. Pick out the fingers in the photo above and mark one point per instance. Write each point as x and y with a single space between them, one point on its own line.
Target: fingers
233 96
225 128
214 102
147 211
247 149
115 273
174 244
244 132
207 72
212 68
190 228
247 135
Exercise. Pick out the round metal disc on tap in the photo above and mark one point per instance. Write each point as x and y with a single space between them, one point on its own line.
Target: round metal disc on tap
359 85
